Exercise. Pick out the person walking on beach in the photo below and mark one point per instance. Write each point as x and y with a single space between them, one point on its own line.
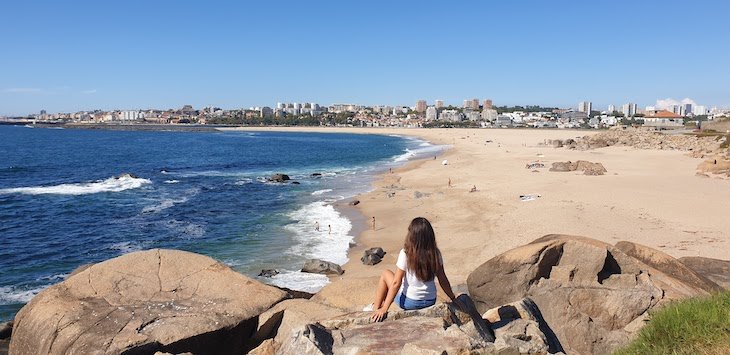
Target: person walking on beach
373 222
329 226
412 285
316 226
449 182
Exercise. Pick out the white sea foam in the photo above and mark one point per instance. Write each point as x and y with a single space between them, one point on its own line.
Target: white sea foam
12 294
424 149
113 184
126 247
319 192
166 203
244 181
171 181
300 281
323 244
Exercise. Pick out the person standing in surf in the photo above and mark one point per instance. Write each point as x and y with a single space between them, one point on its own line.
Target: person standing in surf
412 285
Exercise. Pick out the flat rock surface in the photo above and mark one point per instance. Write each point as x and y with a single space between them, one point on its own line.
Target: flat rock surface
154 300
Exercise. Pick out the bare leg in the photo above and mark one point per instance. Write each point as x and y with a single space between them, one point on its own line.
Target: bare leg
386 279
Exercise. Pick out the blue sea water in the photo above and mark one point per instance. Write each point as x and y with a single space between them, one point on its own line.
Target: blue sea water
64 204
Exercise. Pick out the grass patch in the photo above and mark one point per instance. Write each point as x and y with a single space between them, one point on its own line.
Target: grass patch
692 326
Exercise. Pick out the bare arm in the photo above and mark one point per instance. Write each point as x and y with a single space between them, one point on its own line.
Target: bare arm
444 283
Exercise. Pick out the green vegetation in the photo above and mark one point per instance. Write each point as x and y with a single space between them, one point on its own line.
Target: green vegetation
692 326
528 108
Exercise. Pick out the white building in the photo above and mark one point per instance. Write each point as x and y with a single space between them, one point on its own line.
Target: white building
489 115
699 110
431 113
629 110
585 106
473 115
129 115
439 104
611 109
451 116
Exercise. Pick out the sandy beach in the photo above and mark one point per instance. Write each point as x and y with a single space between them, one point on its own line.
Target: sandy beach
650 197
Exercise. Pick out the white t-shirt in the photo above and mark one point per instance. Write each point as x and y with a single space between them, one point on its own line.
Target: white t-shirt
412 287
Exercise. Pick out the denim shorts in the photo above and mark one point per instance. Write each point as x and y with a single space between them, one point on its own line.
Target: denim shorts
408 304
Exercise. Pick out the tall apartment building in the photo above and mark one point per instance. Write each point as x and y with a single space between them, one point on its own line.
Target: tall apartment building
475 104
487 104
467 104
629 110
439 104
585 106
611 109
431 114
421 106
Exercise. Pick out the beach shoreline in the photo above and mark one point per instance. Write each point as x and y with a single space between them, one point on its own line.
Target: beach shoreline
650 197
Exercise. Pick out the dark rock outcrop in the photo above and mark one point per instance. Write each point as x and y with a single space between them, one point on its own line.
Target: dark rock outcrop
317 266
143 302
279 178
269 273
372 256
592 294
354 202
718 271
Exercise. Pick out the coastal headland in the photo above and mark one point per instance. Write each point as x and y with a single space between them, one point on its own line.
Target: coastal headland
651 197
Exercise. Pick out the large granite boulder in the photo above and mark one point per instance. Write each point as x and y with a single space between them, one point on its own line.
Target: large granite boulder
668 265
440 329
350 294
279 321
372 256
716 270
592 294
143 302
317 266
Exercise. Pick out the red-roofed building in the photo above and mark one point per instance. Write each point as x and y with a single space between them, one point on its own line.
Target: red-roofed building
663 119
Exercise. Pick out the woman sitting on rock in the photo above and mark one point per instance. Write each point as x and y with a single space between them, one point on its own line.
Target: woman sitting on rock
412 285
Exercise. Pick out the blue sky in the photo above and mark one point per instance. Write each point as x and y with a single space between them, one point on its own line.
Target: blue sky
82 55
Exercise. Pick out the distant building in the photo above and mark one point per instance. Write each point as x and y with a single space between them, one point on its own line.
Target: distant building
487 103
503 121
611 109
431 114
699 110
585 106
439 104
266 111
686 110
421 106
451 116
489 114
629 110
474 104
467 104
663 119
129 115
473 115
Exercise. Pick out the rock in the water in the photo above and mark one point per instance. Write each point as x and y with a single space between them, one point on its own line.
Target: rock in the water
279 178
317 266
354 202
716 270
143 302
5 330
269 273
316 174
295 182
588 291
372 256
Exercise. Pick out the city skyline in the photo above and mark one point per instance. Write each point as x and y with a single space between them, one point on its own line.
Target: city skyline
135 55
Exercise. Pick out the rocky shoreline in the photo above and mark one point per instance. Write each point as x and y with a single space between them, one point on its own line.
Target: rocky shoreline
557 294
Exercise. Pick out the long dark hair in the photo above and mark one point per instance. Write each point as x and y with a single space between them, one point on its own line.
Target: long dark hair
424 257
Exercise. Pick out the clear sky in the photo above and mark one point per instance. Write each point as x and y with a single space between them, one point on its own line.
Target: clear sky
82 55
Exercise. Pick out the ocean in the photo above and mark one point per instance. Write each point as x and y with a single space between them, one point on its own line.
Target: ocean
72 197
